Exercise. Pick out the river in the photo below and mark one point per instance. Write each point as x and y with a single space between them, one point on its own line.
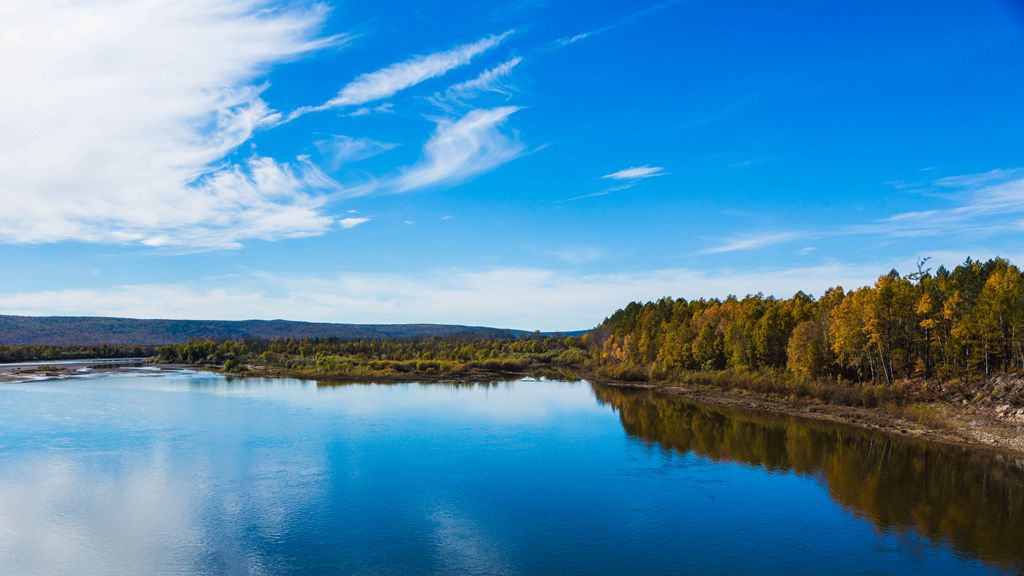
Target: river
179 472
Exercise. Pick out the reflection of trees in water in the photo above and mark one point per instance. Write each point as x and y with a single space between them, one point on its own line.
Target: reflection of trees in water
215 382
972 499
451 385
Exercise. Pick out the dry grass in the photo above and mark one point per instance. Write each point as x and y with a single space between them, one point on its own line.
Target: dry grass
928 415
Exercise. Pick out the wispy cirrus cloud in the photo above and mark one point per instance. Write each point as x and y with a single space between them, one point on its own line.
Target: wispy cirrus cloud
983 205
597 194
388 81
339 149
636 173
626 178
625 20
986 203
95 146
385 108
490 80
351 222
460 149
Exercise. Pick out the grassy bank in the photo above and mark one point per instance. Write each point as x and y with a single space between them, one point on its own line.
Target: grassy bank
771 382
353 370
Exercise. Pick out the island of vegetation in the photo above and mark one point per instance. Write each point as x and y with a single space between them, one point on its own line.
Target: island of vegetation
938 352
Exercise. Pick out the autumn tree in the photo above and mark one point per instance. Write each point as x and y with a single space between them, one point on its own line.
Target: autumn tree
996 321
848 333
708 349
807 354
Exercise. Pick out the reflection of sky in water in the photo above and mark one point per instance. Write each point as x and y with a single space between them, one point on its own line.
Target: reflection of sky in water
194 474
88 361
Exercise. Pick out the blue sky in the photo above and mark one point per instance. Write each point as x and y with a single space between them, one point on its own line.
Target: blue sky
532 164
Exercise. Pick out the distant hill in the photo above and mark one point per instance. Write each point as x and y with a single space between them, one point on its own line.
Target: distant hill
87 330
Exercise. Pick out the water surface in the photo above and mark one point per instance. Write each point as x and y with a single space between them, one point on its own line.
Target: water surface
190 473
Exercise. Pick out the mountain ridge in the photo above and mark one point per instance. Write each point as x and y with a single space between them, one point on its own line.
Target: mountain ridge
96 330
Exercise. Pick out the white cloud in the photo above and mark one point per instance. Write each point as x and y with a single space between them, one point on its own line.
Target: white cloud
385 108
987 205
636 173
349 223
628 19
587 196
627 178
339 150
581 36
115 118
531 298
460 149
388 81
262 199
490 80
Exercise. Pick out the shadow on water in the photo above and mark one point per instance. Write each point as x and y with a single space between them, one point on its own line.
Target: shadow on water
972 499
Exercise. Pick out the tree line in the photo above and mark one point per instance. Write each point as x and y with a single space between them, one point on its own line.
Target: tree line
41 352
334 357
961 323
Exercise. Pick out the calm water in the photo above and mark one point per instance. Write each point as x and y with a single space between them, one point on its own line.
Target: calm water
193 474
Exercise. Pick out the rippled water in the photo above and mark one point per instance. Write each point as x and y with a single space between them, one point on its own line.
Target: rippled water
194 474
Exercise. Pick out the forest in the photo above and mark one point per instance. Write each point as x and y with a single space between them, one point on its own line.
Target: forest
53 352
964 323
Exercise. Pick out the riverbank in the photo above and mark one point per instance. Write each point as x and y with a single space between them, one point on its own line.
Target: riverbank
962 424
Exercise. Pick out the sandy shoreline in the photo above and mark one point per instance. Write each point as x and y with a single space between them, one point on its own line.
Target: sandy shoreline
36 371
